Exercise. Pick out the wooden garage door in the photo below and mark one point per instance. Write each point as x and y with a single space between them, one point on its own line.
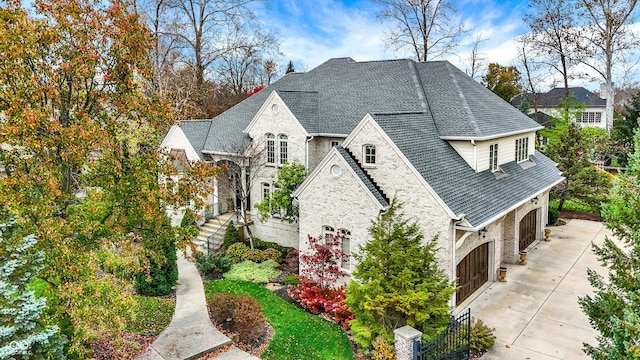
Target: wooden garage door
472 272
528 229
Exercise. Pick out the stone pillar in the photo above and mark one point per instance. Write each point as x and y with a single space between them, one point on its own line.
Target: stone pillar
405 337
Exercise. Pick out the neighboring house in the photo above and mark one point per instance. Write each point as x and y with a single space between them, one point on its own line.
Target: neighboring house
461 159
549 103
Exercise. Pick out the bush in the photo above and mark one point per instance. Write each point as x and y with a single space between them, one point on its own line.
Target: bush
215 264
221 309
249 271
316 299
159 280
249 323
482 337
236 252
189 219
231 235
272 254
264 245
255 255
383 350
553 216
291 263
292 280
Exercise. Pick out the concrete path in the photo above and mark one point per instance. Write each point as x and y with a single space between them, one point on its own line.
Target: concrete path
535 313
190 332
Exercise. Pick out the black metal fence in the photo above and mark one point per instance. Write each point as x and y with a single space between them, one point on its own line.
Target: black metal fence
454 343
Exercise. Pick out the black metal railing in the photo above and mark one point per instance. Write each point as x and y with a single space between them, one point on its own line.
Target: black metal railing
454 343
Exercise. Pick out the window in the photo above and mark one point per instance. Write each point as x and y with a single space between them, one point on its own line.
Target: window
345 246
271 149
282 139
522 149
590 118
493 157
334 143
369 154
266 190
327 232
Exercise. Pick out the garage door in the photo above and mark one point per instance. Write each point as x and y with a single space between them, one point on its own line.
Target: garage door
528 229
472 271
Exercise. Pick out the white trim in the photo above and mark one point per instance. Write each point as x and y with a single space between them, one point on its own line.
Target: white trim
334 152
491 137
272 99
176 131
369 119
329 135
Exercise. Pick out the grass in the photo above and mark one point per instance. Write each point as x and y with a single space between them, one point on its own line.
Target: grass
298 334
573 204
152 316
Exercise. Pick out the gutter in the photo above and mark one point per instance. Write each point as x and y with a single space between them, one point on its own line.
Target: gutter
306 150
453 253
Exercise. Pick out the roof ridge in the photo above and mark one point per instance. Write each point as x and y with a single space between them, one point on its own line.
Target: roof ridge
367 176
463 99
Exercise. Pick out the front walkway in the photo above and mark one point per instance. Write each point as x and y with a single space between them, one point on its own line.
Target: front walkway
190 332
535 313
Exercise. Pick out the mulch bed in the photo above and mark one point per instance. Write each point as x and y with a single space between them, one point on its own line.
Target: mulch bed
105 349
582 215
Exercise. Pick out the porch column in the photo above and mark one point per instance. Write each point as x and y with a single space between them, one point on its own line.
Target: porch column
216 208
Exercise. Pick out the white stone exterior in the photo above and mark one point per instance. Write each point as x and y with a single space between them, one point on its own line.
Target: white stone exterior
176 139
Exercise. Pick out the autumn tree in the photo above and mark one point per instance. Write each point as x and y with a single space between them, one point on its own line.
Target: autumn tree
607 40
553 36
427 29
504 81
79 135
613 309
397 281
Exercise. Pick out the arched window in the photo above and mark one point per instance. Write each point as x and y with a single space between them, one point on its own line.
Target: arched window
327 232
282 140
271 149
266 190
369 154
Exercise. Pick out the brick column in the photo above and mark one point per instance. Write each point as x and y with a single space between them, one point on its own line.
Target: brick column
404 337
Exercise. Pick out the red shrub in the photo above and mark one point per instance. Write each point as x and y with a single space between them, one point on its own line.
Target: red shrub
315 299
250 324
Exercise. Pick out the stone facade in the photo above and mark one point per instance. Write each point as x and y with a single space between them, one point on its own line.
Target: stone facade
404 338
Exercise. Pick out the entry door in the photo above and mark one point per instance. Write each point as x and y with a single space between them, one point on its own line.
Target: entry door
528 229
472 272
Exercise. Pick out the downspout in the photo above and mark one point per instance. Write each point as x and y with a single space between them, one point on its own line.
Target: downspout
475 156
306 149
460 218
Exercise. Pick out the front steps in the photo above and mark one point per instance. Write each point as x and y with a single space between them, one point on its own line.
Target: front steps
214 228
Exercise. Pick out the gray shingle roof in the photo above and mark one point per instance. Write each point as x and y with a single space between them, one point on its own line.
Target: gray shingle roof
335 96
480 196
555 97
364 176
196 131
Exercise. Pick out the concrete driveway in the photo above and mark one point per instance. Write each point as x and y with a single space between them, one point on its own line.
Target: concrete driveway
535 313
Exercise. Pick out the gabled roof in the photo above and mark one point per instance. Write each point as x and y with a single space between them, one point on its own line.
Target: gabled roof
481 197
555 97
335 96
360 174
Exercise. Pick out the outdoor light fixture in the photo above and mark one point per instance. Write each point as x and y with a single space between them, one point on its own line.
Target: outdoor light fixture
535 200
482 232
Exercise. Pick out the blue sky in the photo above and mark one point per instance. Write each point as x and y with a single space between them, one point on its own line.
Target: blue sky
313 31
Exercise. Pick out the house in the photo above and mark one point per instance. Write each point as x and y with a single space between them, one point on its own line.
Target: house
548 104
461 159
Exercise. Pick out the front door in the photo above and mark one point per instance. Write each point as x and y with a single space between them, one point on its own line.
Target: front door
528 229
472 272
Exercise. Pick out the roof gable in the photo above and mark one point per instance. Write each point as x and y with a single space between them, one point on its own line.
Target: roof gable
274 99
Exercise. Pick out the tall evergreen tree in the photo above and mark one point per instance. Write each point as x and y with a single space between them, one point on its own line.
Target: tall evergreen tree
614 309
398 281
624 128
22 336
290 67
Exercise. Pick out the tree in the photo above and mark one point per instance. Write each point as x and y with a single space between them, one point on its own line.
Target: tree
608 40
23 335
504 81
625 127
79 138
553 35
290 67
398 281
279 201
531 70
572 153
613 309
476 60
428 29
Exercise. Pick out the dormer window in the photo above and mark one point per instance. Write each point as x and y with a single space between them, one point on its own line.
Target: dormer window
369 154
493 157
522 149
271 149
284 152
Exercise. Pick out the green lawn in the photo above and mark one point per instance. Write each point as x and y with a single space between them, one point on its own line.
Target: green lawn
298 334
573 204
153 315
